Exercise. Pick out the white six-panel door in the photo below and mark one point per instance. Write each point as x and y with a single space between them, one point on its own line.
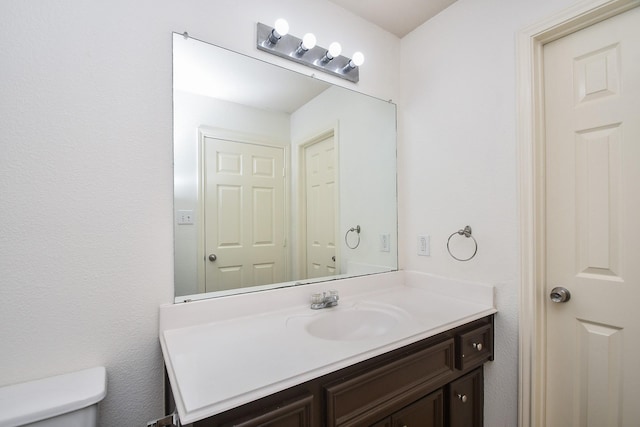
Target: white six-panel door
244 214
320 206
592 119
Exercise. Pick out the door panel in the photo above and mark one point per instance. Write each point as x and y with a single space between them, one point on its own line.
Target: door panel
592 121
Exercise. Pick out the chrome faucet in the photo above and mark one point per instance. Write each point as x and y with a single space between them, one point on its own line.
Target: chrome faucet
324 300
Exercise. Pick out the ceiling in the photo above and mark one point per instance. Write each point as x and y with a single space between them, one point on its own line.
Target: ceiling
399 17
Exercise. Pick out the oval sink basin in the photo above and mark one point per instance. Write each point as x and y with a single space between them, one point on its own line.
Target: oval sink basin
352 324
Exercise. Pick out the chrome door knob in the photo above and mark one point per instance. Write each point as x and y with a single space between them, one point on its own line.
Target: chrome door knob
463 398
477 346
560 294
213 257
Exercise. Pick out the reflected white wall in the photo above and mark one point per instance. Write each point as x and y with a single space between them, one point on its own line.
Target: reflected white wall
367 171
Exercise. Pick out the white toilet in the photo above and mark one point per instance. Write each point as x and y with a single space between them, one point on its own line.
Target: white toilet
69 400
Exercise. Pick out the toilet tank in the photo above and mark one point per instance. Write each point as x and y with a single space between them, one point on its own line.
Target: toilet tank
69 400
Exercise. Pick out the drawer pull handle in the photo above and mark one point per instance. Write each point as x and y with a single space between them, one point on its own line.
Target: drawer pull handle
477 346
463 398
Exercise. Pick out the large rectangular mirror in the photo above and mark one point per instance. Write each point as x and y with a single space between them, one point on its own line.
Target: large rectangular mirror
280 179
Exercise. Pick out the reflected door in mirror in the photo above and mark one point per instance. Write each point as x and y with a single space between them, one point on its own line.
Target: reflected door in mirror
243 187
321 193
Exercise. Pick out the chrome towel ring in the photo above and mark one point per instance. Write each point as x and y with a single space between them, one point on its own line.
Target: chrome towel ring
346 236
466 232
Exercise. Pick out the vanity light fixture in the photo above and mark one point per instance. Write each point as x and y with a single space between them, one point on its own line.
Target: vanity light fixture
277 41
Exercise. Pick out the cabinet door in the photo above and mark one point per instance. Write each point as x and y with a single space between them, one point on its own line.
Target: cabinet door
426 412
466 400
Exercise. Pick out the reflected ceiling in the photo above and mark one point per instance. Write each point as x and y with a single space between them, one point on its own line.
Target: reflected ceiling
202 75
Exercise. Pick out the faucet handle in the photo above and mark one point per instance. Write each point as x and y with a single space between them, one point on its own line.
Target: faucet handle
334 294
317 298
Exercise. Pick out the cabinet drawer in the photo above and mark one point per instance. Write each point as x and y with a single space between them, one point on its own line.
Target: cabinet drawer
369 397
474 347
292 413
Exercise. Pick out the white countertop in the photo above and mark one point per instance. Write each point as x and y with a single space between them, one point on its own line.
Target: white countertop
225 352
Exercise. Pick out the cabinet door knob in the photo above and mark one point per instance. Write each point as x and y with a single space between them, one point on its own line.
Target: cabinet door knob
463 398
477 346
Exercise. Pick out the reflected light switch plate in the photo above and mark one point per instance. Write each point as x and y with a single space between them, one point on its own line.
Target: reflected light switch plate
385 242
185 217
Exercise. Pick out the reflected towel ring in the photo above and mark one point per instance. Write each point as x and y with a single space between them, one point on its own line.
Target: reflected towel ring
466 232
346 237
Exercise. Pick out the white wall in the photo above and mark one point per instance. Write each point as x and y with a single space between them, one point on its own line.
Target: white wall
457 160
86 180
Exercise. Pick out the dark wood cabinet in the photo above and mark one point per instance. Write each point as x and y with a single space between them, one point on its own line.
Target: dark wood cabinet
435 382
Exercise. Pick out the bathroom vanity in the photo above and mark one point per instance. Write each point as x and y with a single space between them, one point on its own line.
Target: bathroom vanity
400 349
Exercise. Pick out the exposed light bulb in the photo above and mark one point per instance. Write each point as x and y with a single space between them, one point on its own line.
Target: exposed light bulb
334 50
308 41
282 27
355 62
358 59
